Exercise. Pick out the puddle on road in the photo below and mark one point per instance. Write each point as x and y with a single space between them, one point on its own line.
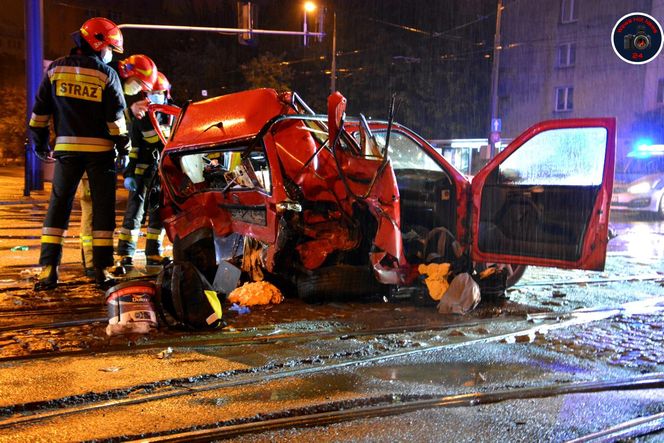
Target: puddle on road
451 374
316 387
327 386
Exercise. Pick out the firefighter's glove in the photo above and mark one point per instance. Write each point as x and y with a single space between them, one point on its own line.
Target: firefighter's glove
122 144
130 184
121 163
44 153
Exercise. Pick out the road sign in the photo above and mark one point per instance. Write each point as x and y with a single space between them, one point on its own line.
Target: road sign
496 125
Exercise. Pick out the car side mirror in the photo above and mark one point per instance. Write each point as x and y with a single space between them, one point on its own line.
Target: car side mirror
336 112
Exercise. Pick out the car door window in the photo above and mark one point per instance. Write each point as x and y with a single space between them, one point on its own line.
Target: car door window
572 157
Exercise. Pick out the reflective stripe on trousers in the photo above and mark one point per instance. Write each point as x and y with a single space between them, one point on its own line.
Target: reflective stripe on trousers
69 169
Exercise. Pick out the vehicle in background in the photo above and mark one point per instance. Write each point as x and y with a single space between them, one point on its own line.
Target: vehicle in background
257 179
468 155
640 184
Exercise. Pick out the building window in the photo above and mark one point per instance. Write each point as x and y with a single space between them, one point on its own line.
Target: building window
660 91
566 55
564 99
567 11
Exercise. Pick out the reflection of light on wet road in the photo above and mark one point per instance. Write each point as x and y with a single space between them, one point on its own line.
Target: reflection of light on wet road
643 239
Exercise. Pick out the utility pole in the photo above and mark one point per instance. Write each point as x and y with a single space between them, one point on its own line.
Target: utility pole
333 68
34 60
494 126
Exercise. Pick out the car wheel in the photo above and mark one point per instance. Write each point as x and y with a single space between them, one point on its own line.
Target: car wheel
515 275
337 282
200 253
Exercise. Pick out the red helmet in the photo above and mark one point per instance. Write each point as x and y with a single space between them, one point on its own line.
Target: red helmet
100 32
140 66
162 84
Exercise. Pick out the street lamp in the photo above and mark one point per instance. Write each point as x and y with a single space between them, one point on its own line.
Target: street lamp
308 7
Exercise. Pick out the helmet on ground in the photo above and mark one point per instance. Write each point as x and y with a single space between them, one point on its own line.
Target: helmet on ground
141 67
100 32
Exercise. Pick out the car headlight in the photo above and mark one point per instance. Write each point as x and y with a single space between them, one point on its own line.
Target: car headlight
640 188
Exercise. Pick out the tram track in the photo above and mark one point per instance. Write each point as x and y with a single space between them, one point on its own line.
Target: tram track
38 411
268 335
391 405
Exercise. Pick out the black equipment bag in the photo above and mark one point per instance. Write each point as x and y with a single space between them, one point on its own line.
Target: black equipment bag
185 299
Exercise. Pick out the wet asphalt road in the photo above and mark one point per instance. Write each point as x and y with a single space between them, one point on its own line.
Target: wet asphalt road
255 359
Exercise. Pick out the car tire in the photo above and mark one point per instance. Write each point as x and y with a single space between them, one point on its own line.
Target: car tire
337 282
515 276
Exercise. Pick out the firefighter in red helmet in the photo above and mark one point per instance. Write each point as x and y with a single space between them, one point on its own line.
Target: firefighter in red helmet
84 97
141 179
138 73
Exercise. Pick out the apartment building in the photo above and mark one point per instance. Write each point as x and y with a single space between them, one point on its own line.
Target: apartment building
557 62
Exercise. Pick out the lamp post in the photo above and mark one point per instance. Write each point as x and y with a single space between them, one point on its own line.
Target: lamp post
308 7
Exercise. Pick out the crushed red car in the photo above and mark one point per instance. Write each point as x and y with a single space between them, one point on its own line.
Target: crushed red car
257 179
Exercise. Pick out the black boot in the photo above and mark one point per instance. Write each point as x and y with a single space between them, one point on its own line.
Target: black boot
48 278
125 265
157 260
103 279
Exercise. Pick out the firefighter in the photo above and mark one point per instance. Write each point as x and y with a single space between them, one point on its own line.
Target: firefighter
84 97
138 73
141 179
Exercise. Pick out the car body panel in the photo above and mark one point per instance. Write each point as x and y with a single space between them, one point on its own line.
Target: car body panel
297 157
562 220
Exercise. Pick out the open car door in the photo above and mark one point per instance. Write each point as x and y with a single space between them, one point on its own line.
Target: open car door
163 117
545 199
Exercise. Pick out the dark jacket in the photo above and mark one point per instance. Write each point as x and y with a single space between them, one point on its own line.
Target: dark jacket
85 99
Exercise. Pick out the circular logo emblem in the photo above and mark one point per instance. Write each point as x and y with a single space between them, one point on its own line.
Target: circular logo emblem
637 38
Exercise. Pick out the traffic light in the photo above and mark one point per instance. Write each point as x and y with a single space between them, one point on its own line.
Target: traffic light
246 19
314 21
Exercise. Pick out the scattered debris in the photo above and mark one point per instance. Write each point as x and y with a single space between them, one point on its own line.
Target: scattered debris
19 248
110 369
166 353
436 278
525 338
256 293
462 296
456 333
241 310
558 294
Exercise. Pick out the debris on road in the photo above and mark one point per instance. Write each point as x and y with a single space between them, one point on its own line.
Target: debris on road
241 310
462 296
436 278
166 353
130 308
256 293
19 248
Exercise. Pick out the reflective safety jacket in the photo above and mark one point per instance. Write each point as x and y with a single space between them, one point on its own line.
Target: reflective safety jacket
146 147
84 97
